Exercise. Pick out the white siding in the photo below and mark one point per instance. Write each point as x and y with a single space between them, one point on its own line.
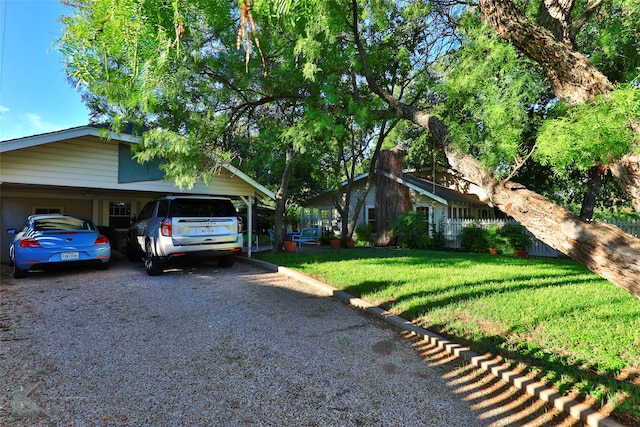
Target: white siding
90 162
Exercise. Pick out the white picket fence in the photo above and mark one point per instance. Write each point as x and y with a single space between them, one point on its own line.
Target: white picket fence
451 230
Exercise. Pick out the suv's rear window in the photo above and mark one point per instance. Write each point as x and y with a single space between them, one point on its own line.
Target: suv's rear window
204 208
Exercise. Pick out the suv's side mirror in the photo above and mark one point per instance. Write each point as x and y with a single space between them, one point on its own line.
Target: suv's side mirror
133 218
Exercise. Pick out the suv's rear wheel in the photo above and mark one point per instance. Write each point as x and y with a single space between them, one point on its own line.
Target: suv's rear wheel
226 261
152 263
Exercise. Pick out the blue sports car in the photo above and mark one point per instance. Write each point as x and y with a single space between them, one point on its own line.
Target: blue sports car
55 239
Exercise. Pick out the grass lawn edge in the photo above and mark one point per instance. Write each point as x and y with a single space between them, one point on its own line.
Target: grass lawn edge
488 363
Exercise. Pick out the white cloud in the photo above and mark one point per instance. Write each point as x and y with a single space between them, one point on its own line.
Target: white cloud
3 109
25 124
35 122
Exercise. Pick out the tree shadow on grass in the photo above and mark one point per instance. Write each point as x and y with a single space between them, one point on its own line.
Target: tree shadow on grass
431 299
564 372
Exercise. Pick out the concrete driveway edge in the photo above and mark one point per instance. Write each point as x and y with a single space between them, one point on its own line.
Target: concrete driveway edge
489 363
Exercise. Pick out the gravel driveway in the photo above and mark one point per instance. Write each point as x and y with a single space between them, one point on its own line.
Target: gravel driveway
222 347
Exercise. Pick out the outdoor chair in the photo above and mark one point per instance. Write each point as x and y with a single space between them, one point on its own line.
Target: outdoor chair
306 235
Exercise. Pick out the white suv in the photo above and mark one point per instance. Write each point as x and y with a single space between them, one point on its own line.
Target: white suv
174 228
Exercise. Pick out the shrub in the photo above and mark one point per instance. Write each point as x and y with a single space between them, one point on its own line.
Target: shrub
496 240
324 240
515 235
411 232
438 240
474 239
363 234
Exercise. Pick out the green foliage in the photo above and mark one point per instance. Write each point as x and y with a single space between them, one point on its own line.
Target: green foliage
364 234
495 239
293 216
591 133
612 41
506 238
474 239
515 236
411 231
324 240
489 92
617 213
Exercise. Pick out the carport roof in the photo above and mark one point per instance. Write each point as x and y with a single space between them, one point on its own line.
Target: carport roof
101 132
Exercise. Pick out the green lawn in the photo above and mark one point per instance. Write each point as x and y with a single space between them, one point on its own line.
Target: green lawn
578 330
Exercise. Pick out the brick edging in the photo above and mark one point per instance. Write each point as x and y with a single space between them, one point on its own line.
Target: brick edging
492 364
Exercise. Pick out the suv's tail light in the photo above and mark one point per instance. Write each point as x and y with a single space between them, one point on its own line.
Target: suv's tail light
240 225
29 242
101 240
165 227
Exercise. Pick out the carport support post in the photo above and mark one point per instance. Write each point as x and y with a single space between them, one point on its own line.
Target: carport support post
247 202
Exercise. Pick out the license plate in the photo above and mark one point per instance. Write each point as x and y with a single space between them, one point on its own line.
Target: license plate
207 231
70 255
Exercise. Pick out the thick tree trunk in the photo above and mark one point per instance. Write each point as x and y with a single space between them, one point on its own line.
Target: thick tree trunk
391 197
571 75
626 171
604 249
590 196
555 16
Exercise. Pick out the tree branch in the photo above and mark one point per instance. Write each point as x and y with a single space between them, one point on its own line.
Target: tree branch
592 8
571 75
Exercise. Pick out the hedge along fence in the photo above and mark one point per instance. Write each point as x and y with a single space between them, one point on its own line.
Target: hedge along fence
451 231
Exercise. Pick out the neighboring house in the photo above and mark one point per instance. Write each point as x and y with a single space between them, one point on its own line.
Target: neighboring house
78 171
442 197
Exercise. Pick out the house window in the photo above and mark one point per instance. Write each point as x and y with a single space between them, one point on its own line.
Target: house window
371 216
453 213
459 213
39 210
119 214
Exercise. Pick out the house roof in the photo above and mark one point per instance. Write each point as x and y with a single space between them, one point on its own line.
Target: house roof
436 191
60 135
101 132
424 187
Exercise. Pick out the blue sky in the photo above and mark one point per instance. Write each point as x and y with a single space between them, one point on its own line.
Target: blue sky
35 96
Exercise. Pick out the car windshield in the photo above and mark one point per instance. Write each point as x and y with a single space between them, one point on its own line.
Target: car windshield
62 224
202 208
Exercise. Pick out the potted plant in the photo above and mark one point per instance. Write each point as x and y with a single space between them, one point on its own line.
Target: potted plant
290 246
515 235
495 240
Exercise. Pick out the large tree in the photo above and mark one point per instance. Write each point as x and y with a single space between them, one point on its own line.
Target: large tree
174 70
315 28
604 249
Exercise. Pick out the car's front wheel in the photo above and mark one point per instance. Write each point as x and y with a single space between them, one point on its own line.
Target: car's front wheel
152 263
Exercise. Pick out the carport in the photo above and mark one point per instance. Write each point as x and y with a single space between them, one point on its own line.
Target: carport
90 171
